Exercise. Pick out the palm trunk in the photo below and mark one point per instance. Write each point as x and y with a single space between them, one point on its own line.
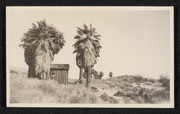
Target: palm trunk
80 75
43 75
31 72
88 77
48 76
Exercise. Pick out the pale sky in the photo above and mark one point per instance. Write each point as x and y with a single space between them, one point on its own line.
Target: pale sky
133 41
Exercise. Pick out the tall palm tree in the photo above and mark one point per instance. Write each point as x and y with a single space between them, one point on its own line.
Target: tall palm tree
41 43
87 48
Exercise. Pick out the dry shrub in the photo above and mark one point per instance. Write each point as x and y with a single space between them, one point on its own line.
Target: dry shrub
164 79
160 97
104 97
152 80
47 88
94 89
138 78
110 99
119 93
148 83
127 100
113 100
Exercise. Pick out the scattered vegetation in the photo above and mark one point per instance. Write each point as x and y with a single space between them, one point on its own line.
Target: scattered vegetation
143 95
122 89
135 89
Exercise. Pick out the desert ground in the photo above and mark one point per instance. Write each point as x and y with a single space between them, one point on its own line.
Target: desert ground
125 89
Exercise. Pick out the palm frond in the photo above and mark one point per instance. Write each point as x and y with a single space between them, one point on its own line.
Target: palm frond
77 37
80 31
85 27
43 31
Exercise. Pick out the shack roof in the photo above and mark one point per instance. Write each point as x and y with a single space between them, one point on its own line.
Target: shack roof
60 66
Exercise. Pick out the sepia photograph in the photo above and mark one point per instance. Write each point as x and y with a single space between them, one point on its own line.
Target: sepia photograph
114 57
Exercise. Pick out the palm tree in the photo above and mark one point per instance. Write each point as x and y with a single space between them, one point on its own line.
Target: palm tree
87 48
41 43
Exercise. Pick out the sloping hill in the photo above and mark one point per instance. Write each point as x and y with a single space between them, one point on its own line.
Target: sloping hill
121 89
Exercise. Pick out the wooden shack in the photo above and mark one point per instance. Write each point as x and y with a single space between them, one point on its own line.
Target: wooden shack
59 72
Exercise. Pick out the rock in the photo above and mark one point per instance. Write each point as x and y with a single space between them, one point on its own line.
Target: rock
94 89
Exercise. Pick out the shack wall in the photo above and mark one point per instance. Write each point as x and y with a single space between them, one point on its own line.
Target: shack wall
61 76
